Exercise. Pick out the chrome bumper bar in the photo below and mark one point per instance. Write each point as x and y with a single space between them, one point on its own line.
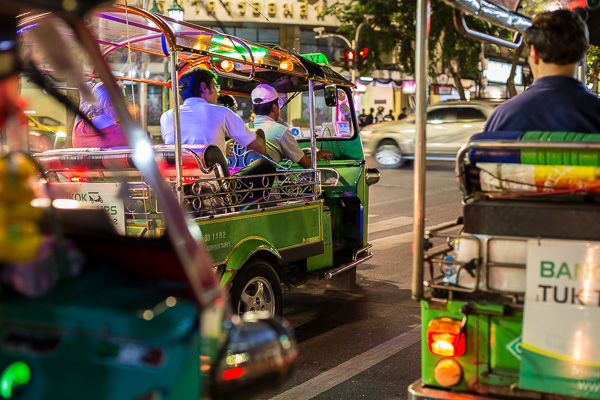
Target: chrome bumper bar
361 255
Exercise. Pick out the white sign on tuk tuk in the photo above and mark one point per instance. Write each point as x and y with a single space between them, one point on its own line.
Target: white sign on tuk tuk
561 350
99 195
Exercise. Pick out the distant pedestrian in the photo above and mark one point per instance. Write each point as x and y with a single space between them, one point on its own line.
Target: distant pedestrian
379 116
362 119
370 117
403 114
389 116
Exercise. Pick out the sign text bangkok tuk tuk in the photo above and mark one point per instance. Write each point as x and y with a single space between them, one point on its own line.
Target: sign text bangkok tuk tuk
262 231
509 293
85 311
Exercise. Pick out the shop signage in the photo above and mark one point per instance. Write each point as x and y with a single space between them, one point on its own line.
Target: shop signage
300 12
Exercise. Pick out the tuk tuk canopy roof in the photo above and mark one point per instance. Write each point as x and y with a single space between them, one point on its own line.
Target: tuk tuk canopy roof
119 29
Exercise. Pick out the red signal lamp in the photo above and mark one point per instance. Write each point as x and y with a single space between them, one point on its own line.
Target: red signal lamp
446 337
363 53
350 55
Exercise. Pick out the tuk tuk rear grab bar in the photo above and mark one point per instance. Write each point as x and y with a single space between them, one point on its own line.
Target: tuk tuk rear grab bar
356 259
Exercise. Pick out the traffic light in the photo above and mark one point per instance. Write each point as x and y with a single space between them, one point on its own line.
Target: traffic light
362 58
349 59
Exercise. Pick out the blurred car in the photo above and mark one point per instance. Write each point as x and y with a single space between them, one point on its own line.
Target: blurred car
45 133
449 126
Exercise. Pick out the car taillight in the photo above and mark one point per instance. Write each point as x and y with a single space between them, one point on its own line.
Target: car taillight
76 178
232 373
446 337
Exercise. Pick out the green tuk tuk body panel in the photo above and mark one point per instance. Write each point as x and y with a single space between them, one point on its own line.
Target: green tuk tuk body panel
283 229
324 260
129 352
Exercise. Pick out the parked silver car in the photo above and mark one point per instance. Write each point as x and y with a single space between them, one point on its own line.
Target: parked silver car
449 126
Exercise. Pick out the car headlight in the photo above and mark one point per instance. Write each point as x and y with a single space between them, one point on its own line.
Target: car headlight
61 133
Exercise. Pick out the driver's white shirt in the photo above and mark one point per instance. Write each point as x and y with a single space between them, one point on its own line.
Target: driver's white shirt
205 123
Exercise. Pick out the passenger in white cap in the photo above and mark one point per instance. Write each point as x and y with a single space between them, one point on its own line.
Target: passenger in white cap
202 120
281 144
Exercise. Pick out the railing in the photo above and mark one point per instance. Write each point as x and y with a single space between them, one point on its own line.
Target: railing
213 196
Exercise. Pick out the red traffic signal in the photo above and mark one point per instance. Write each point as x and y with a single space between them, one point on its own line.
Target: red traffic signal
363 53
350 55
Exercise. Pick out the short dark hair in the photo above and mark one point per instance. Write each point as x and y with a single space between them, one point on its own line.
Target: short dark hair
189 82
559 37
265 108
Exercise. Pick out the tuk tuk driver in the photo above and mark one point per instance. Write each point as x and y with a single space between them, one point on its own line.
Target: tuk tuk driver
280 141
202 120
556 101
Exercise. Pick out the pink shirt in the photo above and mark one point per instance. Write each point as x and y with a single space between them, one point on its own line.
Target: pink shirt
85 136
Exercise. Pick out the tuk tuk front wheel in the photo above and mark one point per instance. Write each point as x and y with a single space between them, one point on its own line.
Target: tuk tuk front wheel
257 288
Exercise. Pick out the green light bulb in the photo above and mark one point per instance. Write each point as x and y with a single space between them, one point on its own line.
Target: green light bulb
16 374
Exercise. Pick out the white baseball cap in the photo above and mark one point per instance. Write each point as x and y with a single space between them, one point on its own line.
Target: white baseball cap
264 93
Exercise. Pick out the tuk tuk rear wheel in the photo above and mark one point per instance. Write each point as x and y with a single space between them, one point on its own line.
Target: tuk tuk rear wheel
257 288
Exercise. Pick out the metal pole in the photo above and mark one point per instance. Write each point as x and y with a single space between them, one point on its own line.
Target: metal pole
313 140
176 127
423 8
355 50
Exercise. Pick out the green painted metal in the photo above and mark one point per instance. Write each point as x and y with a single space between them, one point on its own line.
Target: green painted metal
342 149
317 58
279 228
468 361
487 362
362 190
324 260
245 250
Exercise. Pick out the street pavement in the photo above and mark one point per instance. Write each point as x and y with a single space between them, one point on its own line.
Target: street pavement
365 343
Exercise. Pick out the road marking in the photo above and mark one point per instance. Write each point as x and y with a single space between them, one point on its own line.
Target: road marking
388 242
390 224
350 368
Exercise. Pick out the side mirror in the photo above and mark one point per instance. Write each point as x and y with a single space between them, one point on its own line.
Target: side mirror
331 99
259 355
372 176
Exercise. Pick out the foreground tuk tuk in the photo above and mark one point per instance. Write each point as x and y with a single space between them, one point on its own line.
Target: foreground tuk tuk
89 313
509 293
301 225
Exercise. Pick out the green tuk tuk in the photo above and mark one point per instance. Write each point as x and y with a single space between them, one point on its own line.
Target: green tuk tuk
509 293
304 224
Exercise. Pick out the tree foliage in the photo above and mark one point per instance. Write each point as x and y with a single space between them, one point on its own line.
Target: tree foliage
393 29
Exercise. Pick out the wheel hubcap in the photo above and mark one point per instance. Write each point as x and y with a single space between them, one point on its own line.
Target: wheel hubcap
257 296
388 155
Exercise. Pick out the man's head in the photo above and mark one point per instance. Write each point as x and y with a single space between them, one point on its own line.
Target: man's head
404 109
559 37
199 82
266 101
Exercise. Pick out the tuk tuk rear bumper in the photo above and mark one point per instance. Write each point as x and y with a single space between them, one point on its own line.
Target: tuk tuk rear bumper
418 391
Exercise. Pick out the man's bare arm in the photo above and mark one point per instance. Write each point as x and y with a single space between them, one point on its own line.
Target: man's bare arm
258 145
